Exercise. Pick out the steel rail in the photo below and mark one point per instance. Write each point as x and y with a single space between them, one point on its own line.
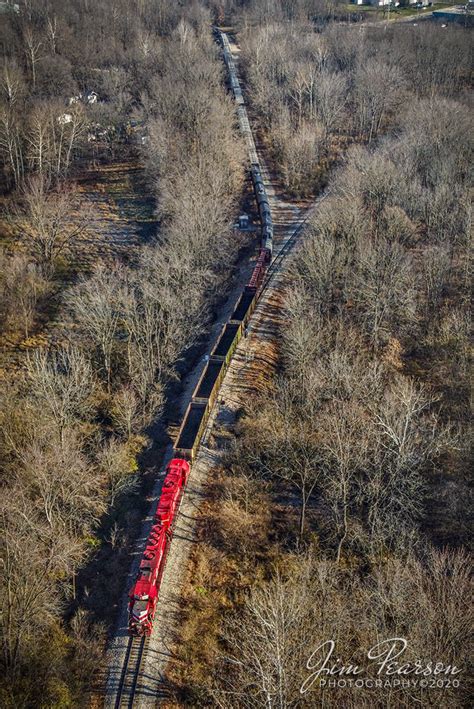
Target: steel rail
137 647
131 670
288 245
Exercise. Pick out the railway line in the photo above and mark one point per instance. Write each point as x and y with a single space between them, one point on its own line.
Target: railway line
136 676
134 658
286 248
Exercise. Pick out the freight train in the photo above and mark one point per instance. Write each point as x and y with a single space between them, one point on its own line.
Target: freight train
143 596
144 593
255 168
197 414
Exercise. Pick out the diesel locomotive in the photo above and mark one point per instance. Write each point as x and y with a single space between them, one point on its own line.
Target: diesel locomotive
143 596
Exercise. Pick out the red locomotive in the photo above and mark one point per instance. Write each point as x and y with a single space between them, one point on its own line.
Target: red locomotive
144 593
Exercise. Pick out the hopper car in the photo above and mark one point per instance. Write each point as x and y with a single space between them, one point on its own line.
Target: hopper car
143 596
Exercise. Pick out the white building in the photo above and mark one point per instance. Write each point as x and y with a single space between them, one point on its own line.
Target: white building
393 3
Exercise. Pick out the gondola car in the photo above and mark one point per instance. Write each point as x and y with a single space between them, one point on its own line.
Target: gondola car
143 596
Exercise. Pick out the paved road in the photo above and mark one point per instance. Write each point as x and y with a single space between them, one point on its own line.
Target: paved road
413 19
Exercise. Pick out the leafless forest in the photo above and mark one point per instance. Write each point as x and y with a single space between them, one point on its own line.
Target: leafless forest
342 510
88 353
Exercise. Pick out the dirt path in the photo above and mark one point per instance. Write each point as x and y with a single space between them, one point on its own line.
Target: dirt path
252 364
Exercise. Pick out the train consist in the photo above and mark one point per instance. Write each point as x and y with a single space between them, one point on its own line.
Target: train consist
206 390
255 168
144 593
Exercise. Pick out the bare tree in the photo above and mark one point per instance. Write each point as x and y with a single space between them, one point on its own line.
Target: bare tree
299 154
11 142
435 273
382 289
97 306
12 82
21 286
267 644
125 411
32 49
52 136
344 449
317 269
119 466
422 598
52 32
146 328
377 92
66 488
407 439
47 221
62 383
331 96
287 448
301 343
30 601
298 91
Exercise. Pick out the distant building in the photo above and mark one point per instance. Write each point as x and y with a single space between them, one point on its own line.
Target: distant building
374 3
393 3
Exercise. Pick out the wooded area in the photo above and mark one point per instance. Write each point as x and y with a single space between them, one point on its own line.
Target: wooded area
342 511
89 349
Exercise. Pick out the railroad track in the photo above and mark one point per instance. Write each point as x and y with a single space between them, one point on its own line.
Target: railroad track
134 657
132 680
288 245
